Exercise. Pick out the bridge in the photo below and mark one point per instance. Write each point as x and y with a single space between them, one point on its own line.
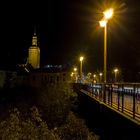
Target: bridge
116 107
122 98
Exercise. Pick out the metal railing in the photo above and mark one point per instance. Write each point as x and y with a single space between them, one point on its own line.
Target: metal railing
124 98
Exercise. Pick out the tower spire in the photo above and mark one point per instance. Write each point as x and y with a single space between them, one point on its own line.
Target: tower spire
34 30
34 38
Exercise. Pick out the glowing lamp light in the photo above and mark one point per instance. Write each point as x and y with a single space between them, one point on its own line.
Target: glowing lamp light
102 23
75 69
116 70
108 13
81 58
71 74
100 74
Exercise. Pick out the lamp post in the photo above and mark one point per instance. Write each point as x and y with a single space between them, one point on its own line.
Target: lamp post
116 71
81 60
75 72
103 23
94 80
100 74
71 76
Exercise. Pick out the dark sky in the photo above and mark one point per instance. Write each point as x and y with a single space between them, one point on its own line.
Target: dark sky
67 29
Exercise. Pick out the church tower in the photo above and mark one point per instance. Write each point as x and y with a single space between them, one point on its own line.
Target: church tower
34 53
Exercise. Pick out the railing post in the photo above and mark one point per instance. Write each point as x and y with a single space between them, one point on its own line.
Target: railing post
104 93
118 100
122 97
108 91
134 101
111 93
92 88
100 93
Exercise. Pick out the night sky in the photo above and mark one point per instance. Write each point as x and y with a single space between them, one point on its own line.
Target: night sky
67 29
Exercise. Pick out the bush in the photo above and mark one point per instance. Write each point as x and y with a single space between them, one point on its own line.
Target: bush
32 128
55 103
75 129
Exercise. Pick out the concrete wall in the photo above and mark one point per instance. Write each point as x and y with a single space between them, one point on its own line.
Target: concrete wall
2 78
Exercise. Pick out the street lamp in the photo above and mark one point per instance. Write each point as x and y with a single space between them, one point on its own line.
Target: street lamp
116 71
81 60
103 23
100 74
75 72
108 13
71 76
94 78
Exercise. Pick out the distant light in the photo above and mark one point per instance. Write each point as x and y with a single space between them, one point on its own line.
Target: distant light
116 70
72 74
75 69
94 81
100 74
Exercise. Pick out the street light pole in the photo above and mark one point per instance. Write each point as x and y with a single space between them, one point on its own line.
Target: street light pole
103 23
81 59
115 71
75 73
105 53
100 74
81 70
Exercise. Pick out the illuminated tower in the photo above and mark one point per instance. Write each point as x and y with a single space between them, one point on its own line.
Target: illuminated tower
34 53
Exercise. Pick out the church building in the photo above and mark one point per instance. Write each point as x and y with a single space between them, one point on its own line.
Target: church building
34 53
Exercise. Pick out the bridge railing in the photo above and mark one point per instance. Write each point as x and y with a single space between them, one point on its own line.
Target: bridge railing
123 97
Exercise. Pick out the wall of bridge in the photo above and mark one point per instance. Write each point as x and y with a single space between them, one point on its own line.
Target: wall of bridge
105 121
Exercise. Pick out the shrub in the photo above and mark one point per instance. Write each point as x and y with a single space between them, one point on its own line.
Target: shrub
75 129
55 103
32 128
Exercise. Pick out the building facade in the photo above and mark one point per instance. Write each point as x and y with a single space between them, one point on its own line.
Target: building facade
39 78
8 79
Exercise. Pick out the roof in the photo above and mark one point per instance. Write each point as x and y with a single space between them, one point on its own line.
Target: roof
52 69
